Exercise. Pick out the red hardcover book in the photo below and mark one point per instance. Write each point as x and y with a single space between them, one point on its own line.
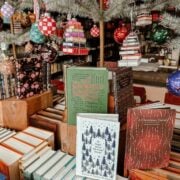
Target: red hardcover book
172 99
148 138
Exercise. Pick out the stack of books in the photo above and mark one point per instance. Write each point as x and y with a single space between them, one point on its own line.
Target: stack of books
7 86
5 134
51 119
51 165
75 40
22 149
130 51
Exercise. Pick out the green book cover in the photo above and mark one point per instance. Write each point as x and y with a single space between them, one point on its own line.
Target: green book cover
87 91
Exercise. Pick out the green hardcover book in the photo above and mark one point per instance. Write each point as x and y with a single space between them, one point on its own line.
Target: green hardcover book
87 91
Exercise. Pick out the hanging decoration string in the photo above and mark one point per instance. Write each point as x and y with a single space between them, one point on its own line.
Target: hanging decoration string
36 10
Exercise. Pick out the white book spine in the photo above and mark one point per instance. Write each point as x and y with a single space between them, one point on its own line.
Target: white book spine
59 166
38 163
48 165
64 171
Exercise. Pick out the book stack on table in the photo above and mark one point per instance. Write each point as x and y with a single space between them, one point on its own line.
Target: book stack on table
23 148
5 134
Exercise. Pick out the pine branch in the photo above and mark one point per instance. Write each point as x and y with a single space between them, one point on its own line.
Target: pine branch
171 22
174 43
22 38
116 9
28 4
82 8
7 37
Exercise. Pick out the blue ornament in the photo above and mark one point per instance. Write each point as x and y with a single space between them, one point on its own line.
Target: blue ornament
173 83
35 35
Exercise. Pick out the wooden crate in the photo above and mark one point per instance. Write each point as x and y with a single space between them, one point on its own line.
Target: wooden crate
14 113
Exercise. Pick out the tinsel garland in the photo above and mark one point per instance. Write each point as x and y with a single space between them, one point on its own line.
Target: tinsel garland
174 43
116 9
22 38
86 8
7 37
171 22
28 4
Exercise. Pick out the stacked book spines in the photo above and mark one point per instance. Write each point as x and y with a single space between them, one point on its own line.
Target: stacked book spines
19 150
5 134
7 86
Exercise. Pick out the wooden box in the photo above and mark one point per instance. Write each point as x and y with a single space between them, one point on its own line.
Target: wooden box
68 143
14 113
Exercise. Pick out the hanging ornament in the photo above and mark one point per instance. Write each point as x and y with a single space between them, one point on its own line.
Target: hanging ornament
94 31
105 4
160 34
35 35
155 16
48 53
7 10
16 23
120 34
144 19
74 39
36 9
47 25
32 17
28 48
25 20
173 83
7 66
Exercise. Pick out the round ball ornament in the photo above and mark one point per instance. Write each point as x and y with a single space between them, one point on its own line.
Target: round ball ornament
25 20
173 83
35 35
7 10
94 31
32 17
160 34
47 25
120 34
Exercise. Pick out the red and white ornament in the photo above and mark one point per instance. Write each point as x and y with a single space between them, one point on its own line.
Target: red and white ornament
120 34
7 10
47 25
94 31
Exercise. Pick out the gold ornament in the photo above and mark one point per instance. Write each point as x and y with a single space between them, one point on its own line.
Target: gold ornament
28 48
32 17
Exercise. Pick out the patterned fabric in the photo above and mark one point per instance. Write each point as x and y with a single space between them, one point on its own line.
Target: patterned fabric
47 26
29 76
7 10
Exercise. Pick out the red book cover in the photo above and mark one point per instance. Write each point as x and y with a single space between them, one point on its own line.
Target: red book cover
148 138
4 169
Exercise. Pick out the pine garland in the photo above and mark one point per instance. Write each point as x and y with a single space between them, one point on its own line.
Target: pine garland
22 38
171 22
86 8
174 43
116 9
7 37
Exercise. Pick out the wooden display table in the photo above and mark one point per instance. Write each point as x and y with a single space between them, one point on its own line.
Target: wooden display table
14 113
